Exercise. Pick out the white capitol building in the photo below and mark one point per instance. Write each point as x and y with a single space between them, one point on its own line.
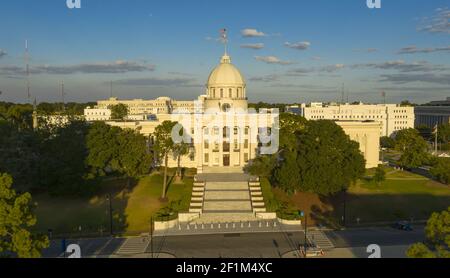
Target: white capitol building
226 134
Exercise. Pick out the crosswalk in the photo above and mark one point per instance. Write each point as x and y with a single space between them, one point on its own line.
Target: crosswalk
319 239
134 245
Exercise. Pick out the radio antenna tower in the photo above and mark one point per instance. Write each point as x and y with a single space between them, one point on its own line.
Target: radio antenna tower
63 97
27 69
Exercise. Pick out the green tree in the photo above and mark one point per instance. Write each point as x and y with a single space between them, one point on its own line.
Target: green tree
62 164
180 150
119 111
328 160
17 218
387 142
261 166
444 133
103 148
413 148
380 175
115 149
164 145
441 170
437 233
133 155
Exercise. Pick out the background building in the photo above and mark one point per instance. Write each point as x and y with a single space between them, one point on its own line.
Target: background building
391 116
436 112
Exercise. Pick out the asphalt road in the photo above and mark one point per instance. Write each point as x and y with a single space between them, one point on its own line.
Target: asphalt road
349 243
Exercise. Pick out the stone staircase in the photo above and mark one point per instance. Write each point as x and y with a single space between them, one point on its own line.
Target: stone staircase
133 245
225 202
198 193
319 239
256 196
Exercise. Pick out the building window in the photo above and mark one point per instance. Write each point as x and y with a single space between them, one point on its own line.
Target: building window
206 131
206 144
221 93
206 157
246 131
246 144
245 157
236 131
229 93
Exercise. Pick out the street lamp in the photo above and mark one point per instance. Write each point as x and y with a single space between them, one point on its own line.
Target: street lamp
108 197
303 214
345 207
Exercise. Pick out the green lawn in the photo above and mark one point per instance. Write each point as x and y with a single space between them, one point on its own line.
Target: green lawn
132 207
402 195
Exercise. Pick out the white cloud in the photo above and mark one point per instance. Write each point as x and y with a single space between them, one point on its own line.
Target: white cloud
87 68
413 49
438 23
332 68
272 60
248 33
298 45
253 45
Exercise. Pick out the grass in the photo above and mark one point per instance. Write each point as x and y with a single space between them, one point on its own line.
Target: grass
133 206
403 195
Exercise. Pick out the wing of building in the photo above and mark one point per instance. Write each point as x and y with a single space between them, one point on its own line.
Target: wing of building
392 117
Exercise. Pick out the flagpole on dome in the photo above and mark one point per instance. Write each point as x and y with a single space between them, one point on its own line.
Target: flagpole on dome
224 39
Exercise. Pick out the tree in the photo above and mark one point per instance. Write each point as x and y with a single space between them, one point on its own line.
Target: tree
380 175
261 166
441 170
406 103
179 150
102 145
444 133
119 111
134 159
62 164
437 233
328 160
115 149
17 217
413 146
164 145
387 142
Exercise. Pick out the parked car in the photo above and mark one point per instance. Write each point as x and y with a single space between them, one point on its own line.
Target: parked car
403 225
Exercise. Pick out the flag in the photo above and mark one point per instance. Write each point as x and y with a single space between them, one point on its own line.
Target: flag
435 129
383 94
223 34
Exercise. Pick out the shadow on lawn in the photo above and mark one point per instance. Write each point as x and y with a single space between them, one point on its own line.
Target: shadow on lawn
370 208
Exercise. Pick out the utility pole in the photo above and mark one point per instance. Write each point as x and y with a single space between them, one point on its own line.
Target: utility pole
436 130
27 70
306 230
151 235
63 96
110 215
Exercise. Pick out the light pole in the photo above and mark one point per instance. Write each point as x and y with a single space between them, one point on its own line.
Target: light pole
110 214
151 235
344 217
303 214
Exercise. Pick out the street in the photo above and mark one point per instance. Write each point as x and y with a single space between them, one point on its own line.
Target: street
349 244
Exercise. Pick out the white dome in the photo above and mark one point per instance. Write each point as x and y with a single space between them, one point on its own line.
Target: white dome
225 74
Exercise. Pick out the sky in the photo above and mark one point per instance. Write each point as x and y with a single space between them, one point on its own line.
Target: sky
287 50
